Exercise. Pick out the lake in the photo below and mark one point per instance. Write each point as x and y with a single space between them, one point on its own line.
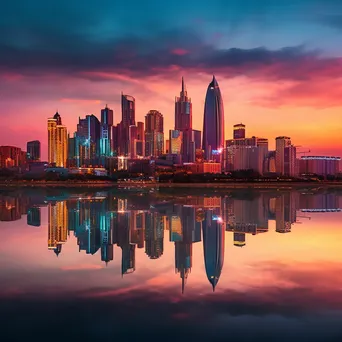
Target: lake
170 264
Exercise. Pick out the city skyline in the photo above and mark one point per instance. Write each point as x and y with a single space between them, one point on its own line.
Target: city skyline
228 131
273 62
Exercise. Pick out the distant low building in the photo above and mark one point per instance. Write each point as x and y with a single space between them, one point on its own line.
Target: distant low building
140 166
202 167
57 170
319 165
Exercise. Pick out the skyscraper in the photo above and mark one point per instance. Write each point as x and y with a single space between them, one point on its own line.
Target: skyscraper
213 123
128 119
128 110
57 141
33 150
183 110
107 116
52 133
183 124
106 130
88 132
281 144
154 133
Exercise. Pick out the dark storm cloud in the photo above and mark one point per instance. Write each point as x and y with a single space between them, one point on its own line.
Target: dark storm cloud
146 38
144 56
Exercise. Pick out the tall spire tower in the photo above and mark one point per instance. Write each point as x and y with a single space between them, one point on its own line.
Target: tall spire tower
183 123
183 110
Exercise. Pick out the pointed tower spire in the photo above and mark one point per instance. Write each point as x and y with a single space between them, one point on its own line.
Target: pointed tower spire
183 284
183 92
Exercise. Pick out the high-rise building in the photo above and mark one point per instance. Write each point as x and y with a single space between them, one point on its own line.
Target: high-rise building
52 136
183 123
244 158
128 110
213 123
33 150
282 143
246 153
62 146
183 110
154 134
290 161
57 141
262 144
239 131
106 130
140 131
107 116
128 119
88 133
175 142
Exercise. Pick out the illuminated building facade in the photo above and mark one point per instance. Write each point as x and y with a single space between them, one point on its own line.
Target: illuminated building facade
106 131
203 167
11 156
57 141
175 142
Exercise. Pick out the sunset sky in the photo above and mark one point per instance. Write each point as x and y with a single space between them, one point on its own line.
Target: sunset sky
278 64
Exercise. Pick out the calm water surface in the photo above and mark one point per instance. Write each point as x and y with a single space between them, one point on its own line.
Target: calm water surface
170 264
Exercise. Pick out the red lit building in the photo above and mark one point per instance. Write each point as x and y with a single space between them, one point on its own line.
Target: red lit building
11 156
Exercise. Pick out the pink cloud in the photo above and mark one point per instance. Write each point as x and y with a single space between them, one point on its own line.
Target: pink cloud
180 52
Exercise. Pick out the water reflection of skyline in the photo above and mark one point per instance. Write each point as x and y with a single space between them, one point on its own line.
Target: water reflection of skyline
103 220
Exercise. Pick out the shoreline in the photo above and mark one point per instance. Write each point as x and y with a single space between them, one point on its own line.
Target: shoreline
120 185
